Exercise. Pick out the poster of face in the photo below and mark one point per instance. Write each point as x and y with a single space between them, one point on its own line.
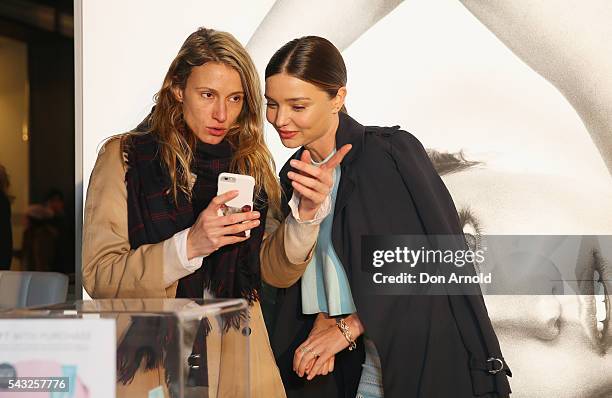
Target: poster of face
517 93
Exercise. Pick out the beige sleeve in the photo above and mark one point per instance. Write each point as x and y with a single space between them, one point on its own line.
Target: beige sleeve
110 268
286 250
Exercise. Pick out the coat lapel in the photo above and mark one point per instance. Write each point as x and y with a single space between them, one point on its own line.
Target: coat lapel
349 132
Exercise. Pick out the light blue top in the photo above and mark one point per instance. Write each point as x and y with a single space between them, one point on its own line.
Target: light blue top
325 287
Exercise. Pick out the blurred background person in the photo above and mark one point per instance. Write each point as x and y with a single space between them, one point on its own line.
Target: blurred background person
63 260
40 239
6 231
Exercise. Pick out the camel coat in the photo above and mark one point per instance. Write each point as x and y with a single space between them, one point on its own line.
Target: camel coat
112 270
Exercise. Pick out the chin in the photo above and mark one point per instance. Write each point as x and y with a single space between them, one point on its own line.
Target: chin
292 143
211 139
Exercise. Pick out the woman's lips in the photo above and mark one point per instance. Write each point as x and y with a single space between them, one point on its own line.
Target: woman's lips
216 131
286 134
601 339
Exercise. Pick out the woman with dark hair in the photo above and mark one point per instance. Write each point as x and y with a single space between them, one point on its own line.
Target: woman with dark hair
345 340
151 227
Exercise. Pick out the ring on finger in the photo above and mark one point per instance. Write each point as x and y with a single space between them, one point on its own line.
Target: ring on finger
305 349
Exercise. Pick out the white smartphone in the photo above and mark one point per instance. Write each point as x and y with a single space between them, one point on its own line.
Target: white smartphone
243 203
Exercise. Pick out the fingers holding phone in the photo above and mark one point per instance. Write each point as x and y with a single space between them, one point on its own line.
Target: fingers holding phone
227 219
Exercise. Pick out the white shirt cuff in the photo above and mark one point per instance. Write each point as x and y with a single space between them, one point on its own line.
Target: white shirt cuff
176 263
300 235
320 215
180 241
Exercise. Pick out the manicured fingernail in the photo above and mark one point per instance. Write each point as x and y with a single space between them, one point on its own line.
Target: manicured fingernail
256 213
293 162
291 174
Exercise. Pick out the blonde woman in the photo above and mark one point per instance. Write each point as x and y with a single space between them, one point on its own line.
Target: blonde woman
151 227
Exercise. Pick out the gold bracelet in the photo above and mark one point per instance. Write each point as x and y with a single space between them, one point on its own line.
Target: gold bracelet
344 329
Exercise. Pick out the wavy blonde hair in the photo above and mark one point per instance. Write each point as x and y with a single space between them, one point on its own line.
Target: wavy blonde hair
251 155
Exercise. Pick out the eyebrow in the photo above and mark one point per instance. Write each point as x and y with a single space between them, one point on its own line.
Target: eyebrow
291 99
216 92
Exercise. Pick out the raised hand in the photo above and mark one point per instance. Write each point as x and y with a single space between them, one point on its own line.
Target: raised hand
314 183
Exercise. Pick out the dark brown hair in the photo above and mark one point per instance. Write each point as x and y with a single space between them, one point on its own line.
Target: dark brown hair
312 59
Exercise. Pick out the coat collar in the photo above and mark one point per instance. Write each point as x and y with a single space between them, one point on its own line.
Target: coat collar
349 132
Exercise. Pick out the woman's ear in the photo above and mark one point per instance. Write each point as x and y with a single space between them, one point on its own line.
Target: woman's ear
178 93
339 99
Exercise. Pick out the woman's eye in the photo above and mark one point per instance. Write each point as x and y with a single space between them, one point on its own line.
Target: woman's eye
471 228
298 108
207 95
270 105
471 240
236 98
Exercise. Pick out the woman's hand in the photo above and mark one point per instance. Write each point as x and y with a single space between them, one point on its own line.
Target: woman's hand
322 321
314 183
315 356
211 231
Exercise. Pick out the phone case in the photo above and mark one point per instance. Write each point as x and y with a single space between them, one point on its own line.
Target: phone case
245 185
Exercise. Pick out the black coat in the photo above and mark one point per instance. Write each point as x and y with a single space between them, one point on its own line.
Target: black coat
430 346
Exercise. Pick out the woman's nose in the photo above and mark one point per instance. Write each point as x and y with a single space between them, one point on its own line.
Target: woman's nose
281 118
220 111
529 316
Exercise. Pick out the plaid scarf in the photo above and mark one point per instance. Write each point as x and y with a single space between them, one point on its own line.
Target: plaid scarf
153 216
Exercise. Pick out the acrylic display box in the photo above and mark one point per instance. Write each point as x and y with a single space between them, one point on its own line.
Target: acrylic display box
127 348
